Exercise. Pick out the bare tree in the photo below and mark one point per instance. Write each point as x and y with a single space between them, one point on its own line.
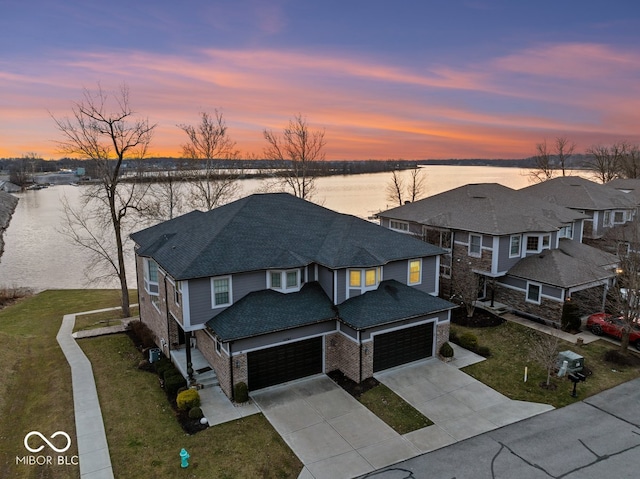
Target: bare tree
629 161
544 350
215 183
105 130
543 170
550 160
623 297
22 169
563 151
605 161
298 151
465 285
395 189
416 186
168 197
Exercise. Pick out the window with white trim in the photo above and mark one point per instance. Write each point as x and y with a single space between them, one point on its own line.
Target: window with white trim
178 293
475 245
533 243
566 231
514 246
399 225
618 217
533 293
364 279
536 243
221 291
607 218
286 281
150 275
415 272
546 241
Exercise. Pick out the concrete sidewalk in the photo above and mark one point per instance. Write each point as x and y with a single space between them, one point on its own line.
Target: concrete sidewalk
93 450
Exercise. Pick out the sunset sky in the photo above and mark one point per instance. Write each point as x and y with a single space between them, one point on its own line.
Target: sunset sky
410 79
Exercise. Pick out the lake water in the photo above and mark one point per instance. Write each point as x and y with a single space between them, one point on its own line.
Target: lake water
38 256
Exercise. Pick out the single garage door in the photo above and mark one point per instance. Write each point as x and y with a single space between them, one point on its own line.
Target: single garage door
402 346
280 364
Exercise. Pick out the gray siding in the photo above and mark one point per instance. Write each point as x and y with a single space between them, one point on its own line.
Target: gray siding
397 270
342 286
281 337
504 245
325 279
513 282
245 283
552 291
429 274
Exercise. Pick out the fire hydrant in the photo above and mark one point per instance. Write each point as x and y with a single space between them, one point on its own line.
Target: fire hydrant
184 458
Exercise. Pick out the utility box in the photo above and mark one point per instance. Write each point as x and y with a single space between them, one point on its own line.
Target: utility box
575 362
154 355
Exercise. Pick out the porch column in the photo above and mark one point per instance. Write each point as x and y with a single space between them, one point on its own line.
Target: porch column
187 337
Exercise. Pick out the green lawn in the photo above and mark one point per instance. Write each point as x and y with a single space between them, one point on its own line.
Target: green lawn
504 370
145 438
35 386
393 410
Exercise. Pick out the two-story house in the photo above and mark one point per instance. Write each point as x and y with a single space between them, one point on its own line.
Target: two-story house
605 206
274 288
522 251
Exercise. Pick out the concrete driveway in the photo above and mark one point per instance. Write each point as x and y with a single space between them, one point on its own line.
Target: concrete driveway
333 434
459 405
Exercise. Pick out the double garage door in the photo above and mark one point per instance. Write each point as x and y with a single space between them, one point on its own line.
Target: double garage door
280 364
270 366
402 346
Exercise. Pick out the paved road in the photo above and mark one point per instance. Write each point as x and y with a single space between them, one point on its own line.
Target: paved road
593 439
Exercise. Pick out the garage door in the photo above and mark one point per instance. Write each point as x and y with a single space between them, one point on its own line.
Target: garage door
402 346
280 364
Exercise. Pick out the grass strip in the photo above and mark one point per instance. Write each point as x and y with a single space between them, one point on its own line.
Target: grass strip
393 410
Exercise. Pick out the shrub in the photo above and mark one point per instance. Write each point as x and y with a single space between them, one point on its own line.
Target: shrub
143 334
195 413
145 365
188 399
446 351
162 365
241 392
483 351
570 320
172 383
468 341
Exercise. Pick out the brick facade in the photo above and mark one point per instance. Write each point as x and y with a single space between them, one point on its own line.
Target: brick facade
219 361
342 353
442 335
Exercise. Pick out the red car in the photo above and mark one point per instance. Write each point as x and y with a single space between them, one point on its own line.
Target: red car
603 323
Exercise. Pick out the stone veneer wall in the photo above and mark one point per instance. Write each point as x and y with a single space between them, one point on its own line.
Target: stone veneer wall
547 310
589 300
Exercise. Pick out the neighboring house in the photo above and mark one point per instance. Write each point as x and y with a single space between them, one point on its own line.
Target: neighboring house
492 233
605 206
274 288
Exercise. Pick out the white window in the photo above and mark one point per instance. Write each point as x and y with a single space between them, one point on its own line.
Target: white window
475 243
607 218
415 272
364 279
566 231
618 217
286 281
536 243
151 277
546 241
533 243
221 291
399 225
178 292
514 246
533 293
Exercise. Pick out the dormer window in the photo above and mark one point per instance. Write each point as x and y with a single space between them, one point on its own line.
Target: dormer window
285 281
364 279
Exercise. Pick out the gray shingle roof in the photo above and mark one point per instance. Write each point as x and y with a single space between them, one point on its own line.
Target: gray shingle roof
268 311
572 264
630 186
487 208
271 231
392 301
579 193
